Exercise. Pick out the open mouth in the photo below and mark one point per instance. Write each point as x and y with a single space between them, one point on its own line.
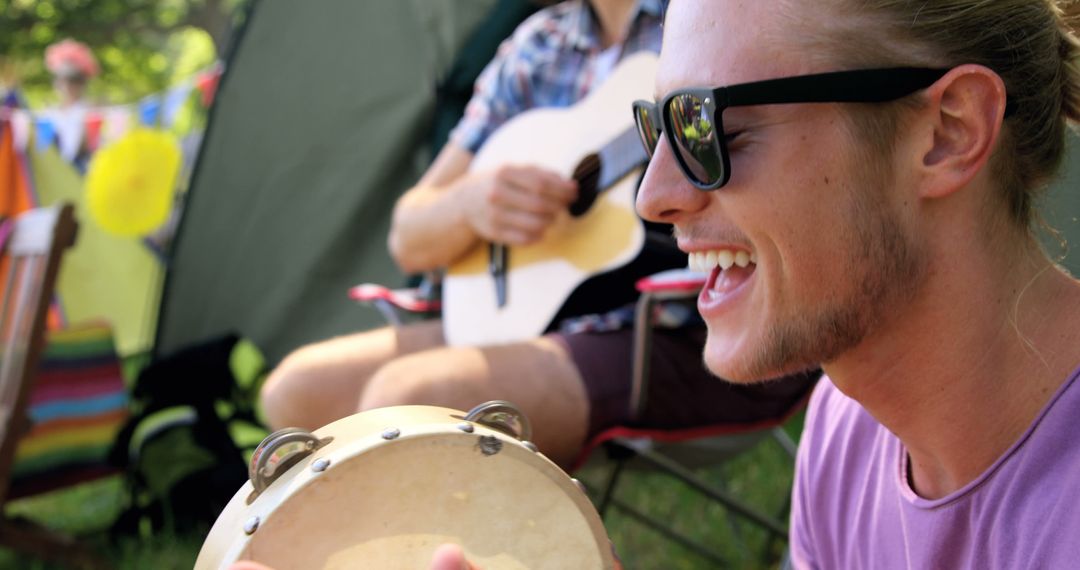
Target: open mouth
706 261
727 268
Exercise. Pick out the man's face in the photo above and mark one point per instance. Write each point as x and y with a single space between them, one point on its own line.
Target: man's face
832 258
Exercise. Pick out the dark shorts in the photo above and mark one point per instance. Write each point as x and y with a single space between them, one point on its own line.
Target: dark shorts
682 393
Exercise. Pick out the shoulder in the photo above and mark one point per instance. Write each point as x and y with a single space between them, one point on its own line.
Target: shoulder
842 448
839 439
551 28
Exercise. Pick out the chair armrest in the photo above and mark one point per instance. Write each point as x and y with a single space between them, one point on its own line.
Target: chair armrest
672 284
391 302
663 286
408 299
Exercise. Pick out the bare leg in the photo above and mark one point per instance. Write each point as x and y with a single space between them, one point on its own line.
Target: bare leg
537 376
320 383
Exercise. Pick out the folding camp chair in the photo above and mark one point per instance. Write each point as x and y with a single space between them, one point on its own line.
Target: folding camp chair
32 257
680 453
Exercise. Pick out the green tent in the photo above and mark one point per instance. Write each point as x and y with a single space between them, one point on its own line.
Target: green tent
324 116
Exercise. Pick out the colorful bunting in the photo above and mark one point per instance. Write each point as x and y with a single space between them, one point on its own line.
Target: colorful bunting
45 132
150 110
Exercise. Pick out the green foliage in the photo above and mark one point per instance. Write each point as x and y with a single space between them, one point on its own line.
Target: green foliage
143 46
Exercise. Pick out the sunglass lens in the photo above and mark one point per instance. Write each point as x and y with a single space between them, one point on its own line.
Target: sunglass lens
648 124
696 141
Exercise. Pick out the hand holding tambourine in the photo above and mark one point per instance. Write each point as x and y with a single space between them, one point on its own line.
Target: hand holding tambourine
408 487
446 557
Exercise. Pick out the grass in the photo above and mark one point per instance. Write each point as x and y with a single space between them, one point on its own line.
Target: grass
761 476
87 511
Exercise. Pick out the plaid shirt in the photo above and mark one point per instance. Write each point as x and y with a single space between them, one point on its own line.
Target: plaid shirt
551 60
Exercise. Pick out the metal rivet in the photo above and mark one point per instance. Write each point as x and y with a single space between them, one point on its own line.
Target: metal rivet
320 465
251 525
391 433
530 446
489 444
465 427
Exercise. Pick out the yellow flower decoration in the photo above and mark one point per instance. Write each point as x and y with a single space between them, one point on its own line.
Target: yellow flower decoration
130 184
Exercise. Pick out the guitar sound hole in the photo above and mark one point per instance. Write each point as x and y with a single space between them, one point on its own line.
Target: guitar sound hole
587 175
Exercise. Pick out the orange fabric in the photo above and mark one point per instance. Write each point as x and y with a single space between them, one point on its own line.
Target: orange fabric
16 197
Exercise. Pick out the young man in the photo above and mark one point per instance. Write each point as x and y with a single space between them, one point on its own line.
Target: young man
891 225
893 242
571 386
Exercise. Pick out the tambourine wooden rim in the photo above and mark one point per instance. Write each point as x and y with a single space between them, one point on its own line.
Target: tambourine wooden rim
383 488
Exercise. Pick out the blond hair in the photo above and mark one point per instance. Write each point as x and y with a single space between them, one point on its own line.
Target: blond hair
1028 43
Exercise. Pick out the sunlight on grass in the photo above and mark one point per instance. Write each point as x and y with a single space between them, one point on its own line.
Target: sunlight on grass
760 477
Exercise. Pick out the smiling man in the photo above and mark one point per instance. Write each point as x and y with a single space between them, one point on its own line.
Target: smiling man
877 162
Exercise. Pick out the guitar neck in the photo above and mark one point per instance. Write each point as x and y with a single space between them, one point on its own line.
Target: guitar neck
619 157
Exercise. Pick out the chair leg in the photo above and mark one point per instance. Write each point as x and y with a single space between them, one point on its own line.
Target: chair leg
619 455
785 441
770 524
717 561
24 535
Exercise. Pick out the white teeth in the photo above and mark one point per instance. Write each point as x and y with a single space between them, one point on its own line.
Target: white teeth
742 259
725 259
710 260
705 261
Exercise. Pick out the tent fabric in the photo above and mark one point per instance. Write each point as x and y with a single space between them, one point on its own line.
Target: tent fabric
321 121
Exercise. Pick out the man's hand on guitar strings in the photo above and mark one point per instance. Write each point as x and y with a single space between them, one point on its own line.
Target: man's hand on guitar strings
514 205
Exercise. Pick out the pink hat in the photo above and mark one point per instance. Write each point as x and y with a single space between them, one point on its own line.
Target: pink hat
69 58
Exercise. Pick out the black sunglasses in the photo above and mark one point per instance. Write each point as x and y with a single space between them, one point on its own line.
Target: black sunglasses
692 118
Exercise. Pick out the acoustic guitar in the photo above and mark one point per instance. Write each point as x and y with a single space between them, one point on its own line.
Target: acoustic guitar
498 294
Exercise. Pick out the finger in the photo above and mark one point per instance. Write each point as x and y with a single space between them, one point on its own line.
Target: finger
615 555
542 182
247 565
513 197
530 225
450 557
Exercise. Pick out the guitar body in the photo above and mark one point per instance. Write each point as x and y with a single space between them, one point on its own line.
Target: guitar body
541 276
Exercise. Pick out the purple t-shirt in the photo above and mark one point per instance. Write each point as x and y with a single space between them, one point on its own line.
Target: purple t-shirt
853 507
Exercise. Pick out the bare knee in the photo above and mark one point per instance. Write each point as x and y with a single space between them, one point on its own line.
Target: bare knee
415 380
322 382
287 397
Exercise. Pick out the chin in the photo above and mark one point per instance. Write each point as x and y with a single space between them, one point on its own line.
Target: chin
731 365
744 361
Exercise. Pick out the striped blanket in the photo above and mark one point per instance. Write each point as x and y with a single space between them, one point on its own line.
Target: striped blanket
78 404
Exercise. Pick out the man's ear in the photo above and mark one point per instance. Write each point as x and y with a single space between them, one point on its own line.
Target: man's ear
965 110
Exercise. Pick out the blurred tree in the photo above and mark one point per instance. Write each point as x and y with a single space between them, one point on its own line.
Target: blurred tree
143 45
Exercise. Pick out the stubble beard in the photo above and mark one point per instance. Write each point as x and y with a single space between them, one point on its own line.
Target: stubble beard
884 272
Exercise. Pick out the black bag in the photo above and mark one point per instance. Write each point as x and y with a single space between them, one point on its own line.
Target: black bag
182 462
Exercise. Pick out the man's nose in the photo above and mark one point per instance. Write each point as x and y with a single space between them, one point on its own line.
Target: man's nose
665 195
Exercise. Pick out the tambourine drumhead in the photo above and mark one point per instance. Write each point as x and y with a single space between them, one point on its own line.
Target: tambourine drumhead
388 503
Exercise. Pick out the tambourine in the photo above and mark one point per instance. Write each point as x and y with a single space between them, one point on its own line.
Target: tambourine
384 488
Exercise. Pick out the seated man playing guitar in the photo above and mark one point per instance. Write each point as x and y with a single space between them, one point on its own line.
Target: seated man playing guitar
570 385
